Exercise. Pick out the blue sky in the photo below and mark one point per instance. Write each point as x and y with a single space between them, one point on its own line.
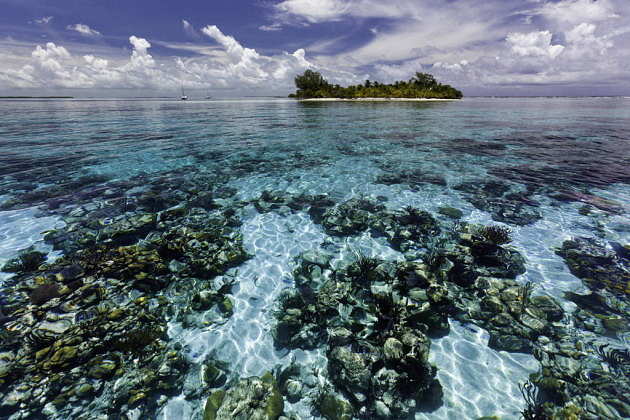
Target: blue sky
240 47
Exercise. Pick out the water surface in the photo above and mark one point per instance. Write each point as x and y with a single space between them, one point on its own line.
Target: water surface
535 165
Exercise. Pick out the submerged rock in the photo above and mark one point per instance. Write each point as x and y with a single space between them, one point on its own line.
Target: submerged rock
496 198
351 217
599 266
451 212
334 408
28 260
248 399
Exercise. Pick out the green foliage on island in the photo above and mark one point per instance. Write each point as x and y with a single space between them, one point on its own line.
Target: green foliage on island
312 84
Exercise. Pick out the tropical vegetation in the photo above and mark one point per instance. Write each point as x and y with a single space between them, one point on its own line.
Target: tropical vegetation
311 84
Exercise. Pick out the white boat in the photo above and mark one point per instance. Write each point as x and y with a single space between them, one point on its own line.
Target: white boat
184 96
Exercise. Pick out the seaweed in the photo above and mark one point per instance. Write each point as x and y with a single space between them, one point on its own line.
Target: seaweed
365 265
533 402
434 259
618 360
498 235
136 340
390 316
526 292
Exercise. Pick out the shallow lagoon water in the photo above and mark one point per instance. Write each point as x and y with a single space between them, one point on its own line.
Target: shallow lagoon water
555 156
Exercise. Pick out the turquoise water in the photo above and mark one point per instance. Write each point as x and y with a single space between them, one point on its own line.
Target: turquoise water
533 165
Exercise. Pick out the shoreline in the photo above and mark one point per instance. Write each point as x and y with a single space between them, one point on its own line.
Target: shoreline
377 100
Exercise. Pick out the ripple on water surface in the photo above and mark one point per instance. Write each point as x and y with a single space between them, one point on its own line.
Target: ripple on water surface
20 229
477 380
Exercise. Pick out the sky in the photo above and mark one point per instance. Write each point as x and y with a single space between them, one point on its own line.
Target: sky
227 48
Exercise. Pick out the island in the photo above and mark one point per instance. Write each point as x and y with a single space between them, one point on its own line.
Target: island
311 85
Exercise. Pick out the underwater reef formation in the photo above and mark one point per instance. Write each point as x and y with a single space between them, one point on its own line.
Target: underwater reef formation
248 399
375 320
411 178
377 350
605 269
85 335
87 332
599 265
504 205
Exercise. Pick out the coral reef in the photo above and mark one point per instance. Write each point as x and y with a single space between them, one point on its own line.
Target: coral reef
87 332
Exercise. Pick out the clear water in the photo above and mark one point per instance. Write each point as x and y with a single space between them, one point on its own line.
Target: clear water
549 148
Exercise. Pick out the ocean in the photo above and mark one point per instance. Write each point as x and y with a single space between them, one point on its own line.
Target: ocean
187 246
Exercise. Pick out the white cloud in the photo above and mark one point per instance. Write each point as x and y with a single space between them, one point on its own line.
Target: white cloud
533 44
95 62
415 28
584 42
189 29
317 11
314 11
140 45
83 29
49 58
496 43
246 66
227 66
245 63
451 66
271 28
45 20
576 11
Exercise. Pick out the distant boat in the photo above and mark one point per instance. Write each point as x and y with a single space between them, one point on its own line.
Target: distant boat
184 96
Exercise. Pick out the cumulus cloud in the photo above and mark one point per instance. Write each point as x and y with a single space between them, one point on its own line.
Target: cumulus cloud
95 62
534 44
50 56
53 65
84 30
497 43
229 66
140 45
584 42
246 66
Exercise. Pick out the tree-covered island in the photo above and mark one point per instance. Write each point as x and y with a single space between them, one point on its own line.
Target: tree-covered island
312 84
